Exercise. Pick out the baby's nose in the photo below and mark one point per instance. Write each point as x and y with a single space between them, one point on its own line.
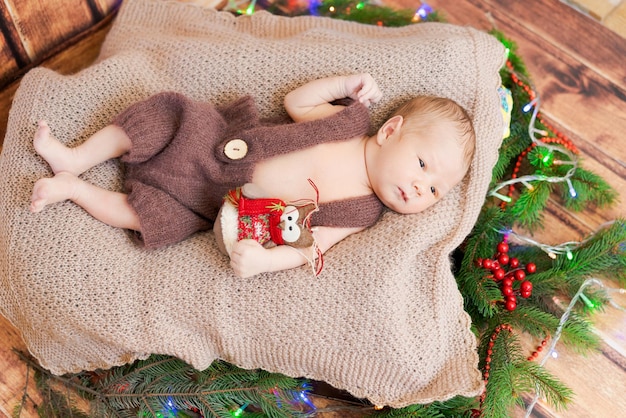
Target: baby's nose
417 187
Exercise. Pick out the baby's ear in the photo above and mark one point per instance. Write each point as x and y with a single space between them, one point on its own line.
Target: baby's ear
252 191
390 127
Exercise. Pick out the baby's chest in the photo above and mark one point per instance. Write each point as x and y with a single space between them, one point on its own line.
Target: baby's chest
287 177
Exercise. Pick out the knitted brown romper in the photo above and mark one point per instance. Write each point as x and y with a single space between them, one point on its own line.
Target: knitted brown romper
181 164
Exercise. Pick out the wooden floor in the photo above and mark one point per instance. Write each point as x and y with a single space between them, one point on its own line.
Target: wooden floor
579 70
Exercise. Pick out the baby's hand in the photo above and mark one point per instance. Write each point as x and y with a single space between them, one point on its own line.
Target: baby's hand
363 87
248 258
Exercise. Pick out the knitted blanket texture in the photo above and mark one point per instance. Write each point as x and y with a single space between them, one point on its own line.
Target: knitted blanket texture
384 320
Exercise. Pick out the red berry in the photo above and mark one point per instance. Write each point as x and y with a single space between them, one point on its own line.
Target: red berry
503 247
503 259
525 295
526 286
507 282
495 265
514 263
510 305
507 291
487 263
519 275
511 298
531 268
498 274
479 262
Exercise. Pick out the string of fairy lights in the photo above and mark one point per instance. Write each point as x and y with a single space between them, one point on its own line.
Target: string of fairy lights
538 138
313 6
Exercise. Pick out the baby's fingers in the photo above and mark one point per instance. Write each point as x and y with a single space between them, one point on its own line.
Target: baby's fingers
370 94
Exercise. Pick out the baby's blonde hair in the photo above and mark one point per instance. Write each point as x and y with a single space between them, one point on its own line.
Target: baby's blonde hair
423 111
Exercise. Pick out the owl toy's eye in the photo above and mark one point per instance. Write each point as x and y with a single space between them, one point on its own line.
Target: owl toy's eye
290 214
291 230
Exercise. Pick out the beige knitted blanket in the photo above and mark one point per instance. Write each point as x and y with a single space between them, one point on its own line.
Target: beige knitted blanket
384 320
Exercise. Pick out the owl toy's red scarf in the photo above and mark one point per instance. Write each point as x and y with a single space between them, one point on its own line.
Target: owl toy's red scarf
259 219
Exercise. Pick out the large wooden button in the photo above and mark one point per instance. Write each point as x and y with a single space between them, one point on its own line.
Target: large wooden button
236 149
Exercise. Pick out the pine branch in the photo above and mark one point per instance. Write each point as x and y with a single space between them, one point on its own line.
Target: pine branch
602 254
531 320
55 404
529 207
590 189
511 148
511 375
457 407
532 377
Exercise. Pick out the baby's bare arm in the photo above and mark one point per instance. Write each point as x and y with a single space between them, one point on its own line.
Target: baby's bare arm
249 258
312 100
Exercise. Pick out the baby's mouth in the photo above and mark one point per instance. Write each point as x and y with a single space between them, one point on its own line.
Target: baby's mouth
403 195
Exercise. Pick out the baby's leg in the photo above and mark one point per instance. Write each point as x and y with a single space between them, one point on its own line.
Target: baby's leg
109 142
107 206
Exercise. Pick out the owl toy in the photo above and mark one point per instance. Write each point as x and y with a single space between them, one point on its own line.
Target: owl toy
269 221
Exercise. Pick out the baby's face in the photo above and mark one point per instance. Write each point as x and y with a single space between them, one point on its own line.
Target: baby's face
414 170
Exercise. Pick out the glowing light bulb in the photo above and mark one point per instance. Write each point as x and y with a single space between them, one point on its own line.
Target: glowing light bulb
587 301
424 10
502 197
238 412
572 191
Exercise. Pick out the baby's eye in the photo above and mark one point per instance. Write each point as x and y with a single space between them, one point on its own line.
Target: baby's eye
422 163
433 190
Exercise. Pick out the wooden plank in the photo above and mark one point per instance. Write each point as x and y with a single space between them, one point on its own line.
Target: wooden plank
102 8
73 58
41 27
33 30
11 36
13 377
8 63
587 41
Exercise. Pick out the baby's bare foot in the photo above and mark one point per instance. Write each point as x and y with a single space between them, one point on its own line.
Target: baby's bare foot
55 153
53 189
